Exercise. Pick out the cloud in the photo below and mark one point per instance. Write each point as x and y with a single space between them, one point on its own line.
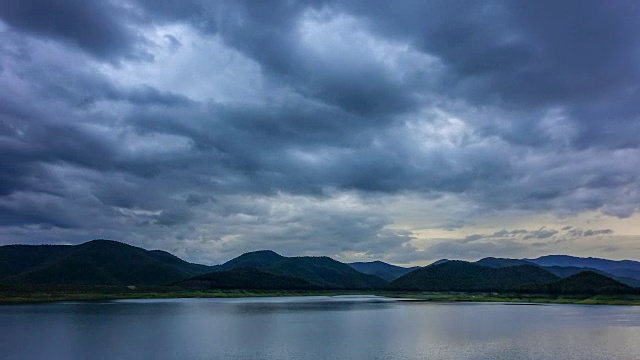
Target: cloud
96 27
598 232
157 114
510 243
541 233
453 249
577 232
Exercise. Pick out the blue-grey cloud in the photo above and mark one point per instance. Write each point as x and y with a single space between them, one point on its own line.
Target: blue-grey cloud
98 27
507 106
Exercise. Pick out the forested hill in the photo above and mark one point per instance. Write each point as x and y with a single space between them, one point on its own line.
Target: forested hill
97 262
112 263
382 269
465 276
320 271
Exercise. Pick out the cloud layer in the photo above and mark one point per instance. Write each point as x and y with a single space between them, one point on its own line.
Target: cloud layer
211 128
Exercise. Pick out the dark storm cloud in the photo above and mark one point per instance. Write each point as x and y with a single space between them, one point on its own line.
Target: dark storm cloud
97 27
577 55
267 32
193 11
49 118
530 52
505 105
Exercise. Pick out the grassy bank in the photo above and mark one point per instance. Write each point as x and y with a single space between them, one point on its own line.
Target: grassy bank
17 295
22 295
519 298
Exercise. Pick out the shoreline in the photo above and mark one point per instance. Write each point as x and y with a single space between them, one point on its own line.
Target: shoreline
40 296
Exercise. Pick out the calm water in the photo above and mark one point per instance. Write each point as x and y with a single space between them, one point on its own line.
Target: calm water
316 328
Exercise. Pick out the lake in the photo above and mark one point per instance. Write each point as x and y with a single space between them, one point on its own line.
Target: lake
346 327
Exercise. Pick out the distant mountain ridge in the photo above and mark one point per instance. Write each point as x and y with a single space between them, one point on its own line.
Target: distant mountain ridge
466 276
502 262
112 263
585 282
382 269
622 268
625 271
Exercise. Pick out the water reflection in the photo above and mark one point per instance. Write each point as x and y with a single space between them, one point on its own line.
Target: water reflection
316 328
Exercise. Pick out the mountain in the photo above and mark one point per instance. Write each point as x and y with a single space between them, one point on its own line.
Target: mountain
321 271
327 273
245 278
501 262
465 276
382 269
438 262
585 282
620 268
257 259
560 271
107 262
566 271
17 259
97 262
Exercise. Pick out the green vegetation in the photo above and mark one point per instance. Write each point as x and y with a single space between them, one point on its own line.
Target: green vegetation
565 271
327 273
97 262
625 271
586 282
245 278
22 295
256 259
465 276
381 269
321 271
509 297
103 269
501 262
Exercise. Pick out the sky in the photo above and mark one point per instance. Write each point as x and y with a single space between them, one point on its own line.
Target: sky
403 131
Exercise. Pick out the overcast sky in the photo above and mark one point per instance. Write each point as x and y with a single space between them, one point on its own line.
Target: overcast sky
405 131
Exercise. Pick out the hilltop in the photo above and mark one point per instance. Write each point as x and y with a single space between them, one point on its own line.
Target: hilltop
466 276
382 269
246 278
320 271
97 262
625 271
116 265
585 282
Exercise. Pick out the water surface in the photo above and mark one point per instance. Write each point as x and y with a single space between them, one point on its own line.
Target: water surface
316 328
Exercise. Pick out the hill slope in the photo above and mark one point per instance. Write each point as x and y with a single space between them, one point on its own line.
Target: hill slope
327 273
382 269
97 262
618 268
560 271
501 262
465 276
17 259
585 282
256 259
320 271
246 278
